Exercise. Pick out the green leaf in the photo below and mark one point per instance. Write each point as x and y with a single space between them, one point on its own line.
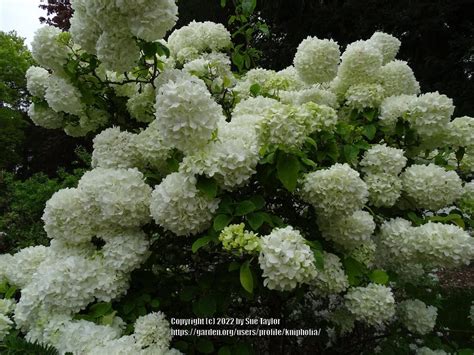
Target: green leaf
225 206
10 292
465 351
245 207
318 259
221 221
207 186
255 89
223 3
370 115
256 220
3 287
238 60
205 346
155 303
108 319
246 278
234 265
354 270
207 305
369 131
162 49
460 153
100 309
288 168
149 49
350 153
379 276
248 6
418 221
309 162
258 201
225 350
128 307
199 243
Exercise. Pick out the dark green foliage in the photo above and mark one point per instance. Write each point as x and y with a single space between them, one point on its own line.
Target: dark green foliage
15 345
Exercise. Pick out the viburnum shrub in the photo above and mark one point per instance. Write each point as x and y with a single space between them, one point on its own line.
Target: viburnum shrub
325 194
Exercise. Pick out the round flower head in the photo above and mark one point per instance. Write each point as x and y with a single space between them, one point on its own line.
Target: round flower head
396 239
395 107
84 30
253 106
269 82
36 81
417 317
331 279
49 47
362 96
386 44
384 189
153 329
43 116
7 306
461 132
373 304
338 190
186 114
235 238
309 94
24 264
397 78
286 260
117 50
114 149
383 159
62 96
466 202
178 206
348 231
316 60
141 105
5 326
149 147
431 186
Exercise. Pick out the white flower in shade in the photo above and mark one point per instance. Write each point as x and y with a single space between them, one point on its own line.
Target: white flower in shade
231 159
395 107
387 44
7 306
461 132
384 189
269 82
318 118
286 260
62 96
316 60
338 190
49 48
309 94
122 346
141 105
373 304
178 206
121 196
93 118
114 149
257 106
332 279
397 78
466 202
150 149
153 329
117 50
149 19
5 325
427 351
186 114
44 116
36 81
416 316
395 239
383 159
189 41
431 186
84 29
360 63
24 264
365 253
214 65
362 96
348 231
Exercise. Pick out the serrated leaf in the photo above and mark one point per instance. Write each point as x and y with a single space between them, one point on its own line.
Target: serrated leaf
245 207
288 167
100 309
255 89
199 243
207 186
246 278
350 152
318 259
379 276
369 131
256 220
354 270
258 201
221 221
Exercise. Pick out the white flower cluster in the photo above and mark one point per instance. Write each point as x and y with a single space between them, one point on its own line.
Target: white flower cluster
43 116
373 304
313 93
466 202
416 316
36 81
189 41
316 60
361 96
382 165
107 28
50 47
62 96
432 244
338 190
461 132
177 205
141 105
397 78
332 279
431 186
7 306
286 260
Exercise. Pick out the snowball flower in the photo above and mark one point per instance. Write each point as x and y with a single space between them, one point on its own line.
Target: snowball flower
43 116
235 238
117 50
338 190
417 317
316 60
431 186
461 132
373 304
114 149
384 189
395 107
141 105
49 47
397 78
286 260
36 81
186 114
362 96
62 96
178 206
150 150
466 202
309 94
24 264
332 278
383 159
7 306
153 329
387 44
